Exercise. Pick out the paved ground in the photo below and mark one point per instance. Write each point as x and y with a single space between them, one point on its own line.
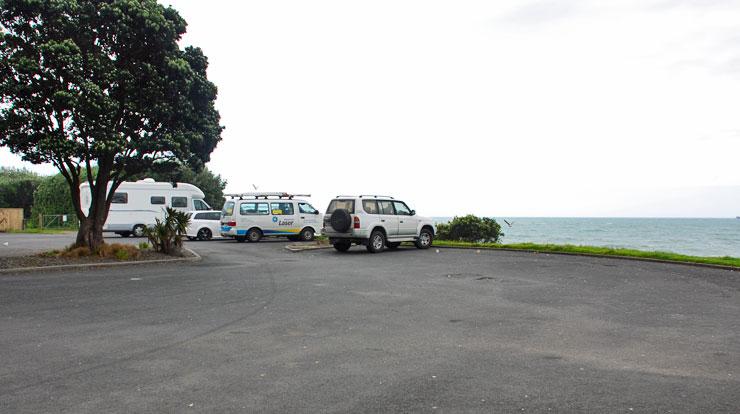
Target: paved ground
19 244
256 328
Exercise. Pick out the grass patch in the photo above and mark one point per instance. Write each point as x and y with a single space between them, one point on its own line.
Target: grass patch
595 250
34 230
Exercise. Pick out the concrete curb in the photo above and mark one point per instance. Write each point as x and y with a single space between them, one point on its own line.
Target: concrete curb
299 248
605 256
195 258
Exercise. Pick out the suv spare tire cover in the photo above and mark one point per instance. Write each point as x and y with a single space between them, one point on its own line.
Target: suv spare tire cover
340 220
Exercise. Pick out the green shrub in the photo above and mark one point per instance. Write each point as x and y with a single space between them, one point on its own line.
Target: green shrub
17 187
166 235
122 254
470 228
143 246
443 231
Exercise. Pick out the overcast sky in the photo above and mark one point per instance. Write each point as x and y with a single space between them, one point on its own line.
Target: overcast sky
506 108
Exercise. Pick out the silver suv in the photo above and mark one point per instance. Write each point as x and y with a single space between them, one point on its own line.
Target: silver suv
376 222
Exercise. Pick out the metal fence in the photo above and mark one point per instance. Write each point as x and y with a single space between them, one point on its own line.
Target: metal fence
52 221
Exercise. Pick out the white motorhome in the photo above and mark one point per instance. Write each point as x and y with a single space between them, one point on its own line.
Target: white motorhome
135 205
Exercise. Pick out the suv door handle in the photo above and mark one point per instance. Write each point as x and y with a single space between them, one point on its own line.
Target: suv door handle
302 217
401 221
382 221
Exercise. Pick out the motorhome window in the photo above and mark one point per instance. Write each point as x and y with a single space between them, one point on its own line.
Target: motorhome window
348 205
201 205
306 208
401 208
386 207
228 209
370 206
254 209
157 200
282 209
201 216
213 216
179 202
120 198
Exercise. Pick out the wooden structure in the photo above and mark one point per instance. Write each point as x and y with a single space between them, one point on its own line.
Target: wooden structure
11 219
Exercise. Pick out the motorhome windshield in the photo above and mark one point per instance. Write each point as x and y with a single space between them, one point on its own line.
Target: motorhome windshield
200 204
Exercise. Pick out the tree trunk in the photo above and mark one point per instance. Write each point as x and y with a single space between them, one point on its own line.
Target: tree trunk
90 234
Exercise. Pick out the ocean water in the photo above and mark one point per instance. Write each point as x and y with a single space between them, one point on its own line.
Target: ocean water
700 237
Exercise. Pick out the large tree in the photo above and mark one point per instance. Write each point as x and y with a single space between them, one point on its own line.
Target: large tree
86 83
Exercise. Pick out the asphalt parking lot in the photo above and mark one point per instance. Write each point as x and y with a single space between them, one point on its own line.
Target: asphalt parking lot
255 328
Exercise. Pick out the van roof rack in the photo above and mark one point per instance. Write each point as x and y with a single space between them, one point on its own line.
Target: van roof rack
376 196
265 195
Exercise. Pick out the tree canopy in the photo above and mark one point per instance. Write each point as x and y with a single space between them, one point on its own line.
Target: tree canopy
87 83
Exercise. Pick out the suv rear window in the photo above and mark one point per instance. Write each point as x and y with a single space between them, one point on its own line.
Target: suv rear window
348 205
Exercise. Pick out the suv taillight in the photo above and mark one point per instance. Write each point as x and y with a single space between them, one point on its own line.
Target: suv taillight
357 222
231 223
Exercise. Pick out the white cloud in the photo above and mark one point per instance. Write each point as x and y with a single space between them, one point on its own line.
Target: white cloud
536 108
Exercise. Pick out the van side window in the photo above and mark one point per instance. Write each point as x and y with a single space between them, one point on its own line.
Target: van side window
201 216
253 209
282 209
120 198
179 202
213 216
370 206
401 208
386 207
306 208
157 199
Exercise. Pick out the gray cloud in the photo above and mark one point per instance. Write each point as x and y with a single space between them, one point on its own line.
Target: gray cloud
719 54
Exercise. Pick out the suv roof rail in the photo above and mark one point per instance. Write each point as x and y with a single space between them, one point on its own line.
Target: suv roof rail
265 195
376 196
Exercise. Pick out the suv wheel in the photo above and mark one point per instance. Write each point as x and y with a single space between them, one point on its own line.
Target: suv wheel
342 246
254 235
425 239
307 234
376 243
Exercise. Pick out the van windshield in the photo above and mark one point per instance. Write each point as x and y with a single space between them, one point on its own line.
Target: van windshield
348 205
228 209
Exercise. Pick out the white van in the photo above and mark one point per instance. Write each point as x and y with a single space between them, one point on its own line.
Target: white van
251 216
135 205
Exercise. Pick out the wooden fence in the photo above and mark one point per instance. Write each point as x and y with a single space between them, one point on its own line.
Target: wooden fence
11 219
